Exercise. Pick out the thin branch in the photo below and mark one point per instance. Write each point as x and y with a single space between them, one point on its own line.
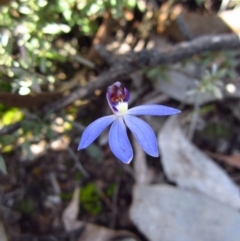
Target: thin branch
133 61
83 61
195 116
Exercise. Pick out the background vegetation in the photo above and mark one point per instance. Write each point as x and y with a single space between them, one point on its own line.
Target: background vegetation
48 51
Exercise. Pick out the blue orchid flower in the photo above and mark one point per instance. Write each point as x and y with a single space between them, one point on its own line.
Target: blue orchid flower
118 97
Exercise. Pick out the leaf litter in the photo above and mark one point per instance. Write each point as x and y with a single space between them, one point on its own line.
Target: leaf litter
190 168
184 165
90 231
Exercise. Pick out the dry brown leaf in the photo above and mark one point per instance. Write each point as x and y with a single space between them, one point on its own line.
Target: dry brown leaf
233 160
185 24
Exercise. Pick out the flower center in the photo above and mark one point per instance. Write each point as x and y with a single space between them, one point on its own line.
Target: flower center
117 94
122 108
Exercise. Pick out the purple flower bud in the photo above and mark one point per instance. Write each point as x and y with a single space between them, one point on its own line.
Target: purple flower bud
118 97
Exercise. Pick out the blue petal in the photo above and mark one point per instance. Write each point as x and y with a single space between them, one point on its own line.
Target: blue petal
152 110
119 142
94 130
143 133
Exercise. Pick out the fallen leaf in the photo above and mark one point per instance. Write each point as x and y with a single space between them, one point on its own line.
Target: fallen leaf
3 235
90 232
166 213
94 232
231 18
190 168
233 160
70 214
187 25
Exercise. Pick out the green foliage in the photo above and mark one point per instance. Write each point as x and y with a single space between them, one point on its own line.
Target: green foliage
26 206
29 52
66 196
156 72
90 199
216 130
110 190
77 176
10 116
95 152
207 109
216 67
37 37
3 167
212 81
199 2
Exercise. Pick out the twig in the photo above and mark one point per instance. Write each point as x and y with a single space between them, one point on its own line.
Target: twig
27 71
54 183
114 203
108 56
83 61
77 162
195 116
132 62
10 128
102 194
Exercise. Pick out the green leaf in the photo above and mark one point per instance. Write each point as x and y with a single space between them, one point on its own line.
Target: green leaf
3 167
67 14
26 206
133 3
90 199
27 153
54 28
11 116
25 10
199 2
95 152
43 66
